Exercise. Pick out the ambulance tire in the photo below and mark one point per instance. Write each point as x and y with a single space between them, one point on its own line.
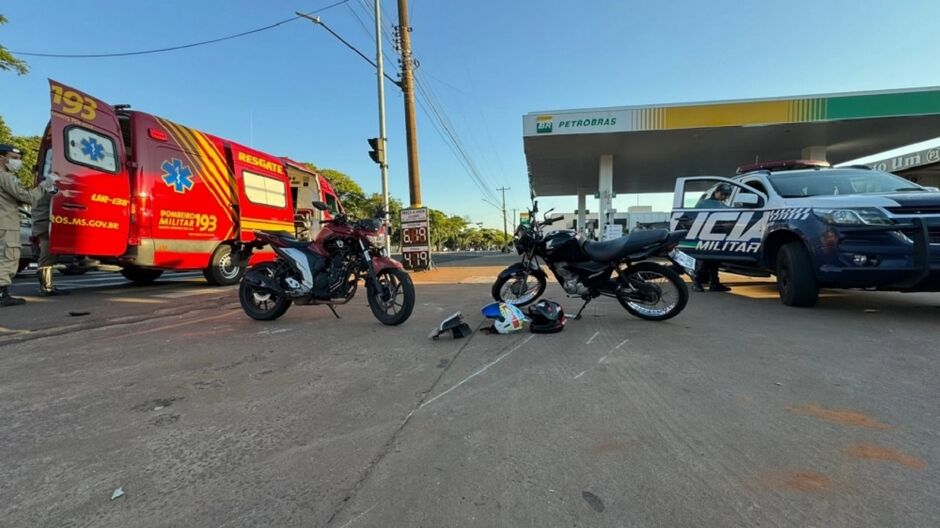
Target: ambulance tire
222 271
796 280
141 275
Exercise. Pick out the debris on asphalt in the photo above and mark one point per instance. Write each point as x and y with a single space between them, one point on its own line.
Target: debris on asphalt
778 384
593 501
454 324
118 493
79 314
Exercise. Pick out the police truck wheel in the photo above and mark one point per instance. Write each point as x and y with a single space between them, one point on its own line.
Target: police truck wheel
222 270
141 275
796 280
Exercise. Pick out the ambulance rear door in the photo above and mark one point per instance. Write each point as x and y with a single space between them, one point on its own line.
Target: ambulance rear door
264 197
91 213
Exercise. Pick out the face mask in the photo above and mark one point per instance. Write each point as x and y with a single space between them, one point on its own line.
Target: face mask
14 164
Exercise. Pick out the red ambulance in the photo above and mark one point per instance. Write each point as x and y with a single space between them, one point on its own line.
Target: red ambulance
149 195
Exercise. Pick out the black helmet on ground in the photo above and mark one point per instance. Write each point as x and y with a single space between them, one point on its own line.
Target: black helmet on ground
547 317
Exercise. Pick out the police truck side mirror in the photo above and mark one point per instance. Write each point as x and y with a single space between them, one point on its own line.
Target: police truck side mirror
746 201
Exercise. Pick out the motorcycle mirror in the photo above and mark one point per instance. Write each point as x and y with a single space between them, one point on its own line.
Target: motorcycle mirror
550 210
317 204
535 206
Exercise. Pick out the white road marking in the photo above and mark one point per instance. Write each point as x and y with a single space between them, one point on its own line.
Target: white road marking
583 372
477 373
356 518
274 331
188 293
592 338
136 300
175 325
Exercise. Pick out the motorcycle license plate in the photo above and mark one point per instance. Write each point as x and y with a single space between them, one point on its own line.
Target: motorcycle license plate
682 259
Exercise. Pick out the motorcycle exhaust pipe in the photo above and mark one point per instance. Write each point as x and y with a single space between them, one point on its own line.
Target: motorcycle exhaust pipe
263 283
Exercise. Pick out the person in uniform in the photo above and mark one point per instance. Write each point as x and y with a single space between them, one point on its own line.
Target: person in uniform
12 195
41 210
707 270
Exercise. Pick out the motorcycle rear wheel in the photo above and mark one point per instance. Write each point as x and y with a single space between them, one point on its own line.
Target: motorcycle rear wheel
665 284
259 304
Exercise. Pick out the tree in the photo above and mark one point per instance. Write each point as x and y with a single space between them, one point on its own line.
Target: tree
30 147
350 193
8 61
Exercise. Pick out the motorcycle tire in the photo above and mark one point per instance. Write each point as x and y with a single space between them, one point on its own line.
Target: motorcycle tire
401 285
497 290
262 305
645 271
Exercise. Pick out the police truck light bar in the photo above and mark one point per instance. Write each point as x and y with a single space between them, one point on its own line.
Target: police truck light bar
783 165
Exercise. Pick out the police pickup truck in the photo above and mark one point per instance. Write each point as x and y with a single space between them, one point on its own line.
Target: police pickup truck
813 226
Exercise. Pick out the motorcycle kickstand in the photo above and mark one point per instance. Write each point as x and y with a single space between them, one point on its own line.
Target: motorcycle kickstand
583 306
330 306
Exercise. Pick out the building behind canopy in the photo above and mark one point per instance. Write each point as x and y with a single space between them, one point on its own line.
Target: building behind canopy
641 149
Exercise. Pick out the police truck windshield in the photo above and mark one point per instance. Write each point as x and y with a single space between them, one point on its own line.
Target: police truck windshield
838 182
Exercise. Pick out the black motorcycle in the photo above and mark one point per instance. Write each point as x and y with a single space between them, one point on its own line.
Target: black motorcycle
630 269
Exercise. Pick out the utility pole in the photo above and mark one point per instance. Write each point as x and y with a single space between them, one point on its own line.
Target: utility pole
407 87
380 74
504 189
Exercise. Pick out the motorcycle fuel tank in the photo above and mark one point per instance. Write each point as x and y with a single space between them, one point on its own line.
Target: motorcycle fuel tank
564 246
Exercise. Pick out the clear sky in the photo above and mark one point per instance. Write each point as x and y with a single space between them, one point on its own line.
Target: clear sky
297 91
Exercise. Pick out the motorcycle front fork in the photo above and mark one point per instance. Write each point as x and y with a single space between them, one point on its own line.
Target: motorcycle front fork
373 278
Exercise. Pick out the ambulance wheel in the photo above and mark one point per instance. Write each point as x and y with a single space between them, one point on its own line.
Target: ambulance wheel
141 275
222 270
796 280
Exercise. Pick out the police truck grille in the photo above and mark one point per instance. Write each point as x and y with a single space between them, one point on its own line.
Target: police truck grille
915 209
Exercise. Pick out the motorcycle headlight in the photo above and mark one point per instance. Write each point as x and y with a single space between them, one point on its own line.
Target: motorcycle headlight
377 240
859 216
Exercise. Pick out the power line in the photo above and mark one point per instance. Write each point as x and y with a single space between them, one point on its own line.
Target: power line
458 148
172 48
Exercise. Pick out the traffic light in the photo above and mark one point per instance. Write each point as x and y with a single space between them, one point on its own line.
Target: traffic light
378 150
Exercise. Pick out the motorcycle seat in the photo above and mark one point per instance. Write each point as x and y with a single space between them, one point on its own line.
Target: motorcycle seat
616 249
288 240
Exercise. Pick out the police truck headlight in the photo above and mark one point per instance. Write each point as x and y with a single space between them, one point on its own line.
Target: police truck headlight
860 216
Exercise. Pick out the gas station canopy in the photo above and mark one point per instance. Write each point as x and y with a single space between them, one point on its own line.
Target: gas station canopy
639 149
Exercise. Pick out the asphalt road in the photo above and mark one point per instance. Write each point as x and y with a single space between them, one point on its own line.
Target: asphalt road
26 283
739 412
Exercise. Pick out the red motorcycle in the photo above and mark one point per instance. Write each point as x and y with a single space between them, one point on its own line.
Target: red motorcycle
326 271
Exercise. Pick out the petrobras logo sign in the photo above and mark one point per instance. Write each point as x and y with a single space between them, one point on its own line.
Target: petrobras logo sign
544 124
593 122
726 231
577 123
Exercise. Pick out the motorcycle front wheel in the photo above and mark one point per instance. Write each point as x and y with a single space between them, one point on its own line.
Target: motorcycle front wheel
513 290
259 304
652 292
393 302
